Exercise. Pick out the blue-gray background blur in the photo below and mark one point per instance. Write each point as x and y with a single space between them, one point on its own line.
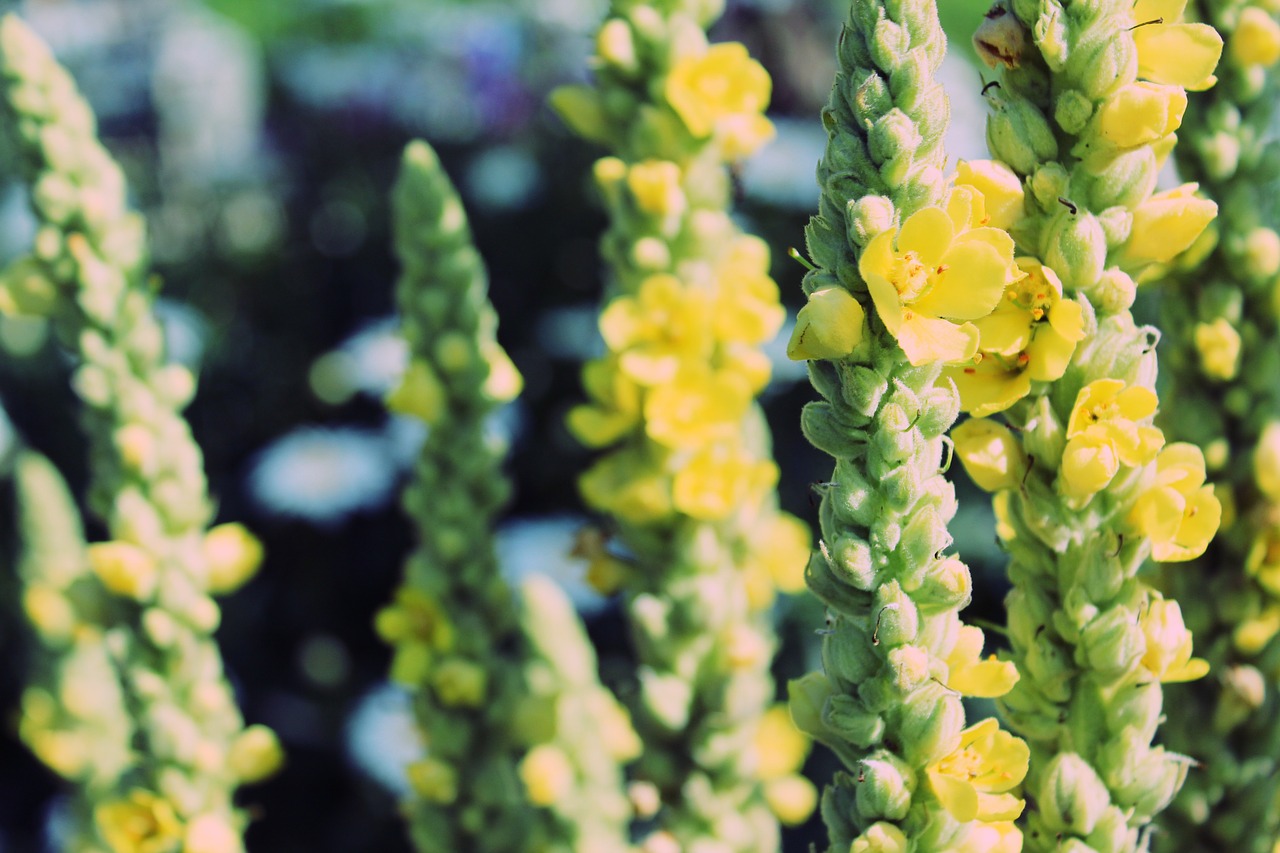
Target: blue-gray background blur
261 137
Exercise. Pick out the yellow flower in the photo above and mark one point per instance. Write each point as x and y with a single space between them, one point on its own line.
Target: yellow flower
1252 635
1031 335
746 309
1170 52
255 754
781 548
1179 513
720 479
829 326
1266 462
1219 346
973 782
1103 433
941 269
420 393
124 569
792 799
232 555
547 774
992 456
1141 114
780 747
655 186
630 484
616 407
1256 39
969 675
1001 190
140 823
652 332
723 90
1166 225
1168 654
696 408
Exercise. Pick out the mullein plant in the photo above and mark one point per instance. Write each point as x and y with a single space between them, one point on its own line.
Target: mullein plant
687 478
1219 316
523 746
906 262
1086 487
131 703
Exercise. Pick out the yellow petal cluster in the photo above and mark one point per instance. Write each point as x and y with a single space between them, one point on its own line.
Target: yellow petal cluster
682 368
971 675
1166 225
942 268
1031 335
1179 513
1104 433
991 454
975 781
723 92
780 546
140 823
1168 653
1172 52
1256 39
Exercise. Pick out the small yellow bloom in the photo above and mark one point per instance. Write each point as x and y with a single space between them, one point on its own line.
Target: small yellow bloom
880 837
1179 513
747 309
1252 635
829 326
780 747
124 569
1166 224
1001 190
255 754
420 393
970 675
1266 462
655 186
722 90
1141 114
547 774
942 269
1031 335
973 782
1104 433
459 683
1172 52
630 484
781 546
615 410
232 555
996 837
697 407
140 823
1168 654
49 611
663 324
1256 39
991 454
792 799
1219 346
720 479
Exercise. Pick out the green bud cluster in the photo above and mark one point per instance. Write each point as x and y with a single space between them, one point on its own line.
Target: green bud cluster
1222 334
1091 638
171 764
882 702
454 624
695 581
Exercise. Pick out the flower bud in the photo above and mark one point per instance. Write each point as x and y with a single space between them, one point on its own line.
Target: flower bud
992 456
255 754
807 697
124 569
667 697
886 787
1219 346
829 326
581 109
867 217
1262 253
1256 39
547 774
1018 134
1266 462
1072 111
1140 114
1076 248
849 718
1072 797
1113 643
1001 189
880 837
1166 225
1099 62
932 718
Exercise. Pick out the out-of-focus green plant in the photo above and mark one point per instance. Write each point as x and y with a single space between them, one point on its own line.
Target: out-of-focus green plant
129 620
687 477
1219 317
904 264
510 725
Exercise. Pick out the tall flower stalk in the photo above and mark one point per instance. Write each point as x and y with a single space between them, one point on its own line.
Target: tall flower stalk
905 264
687 477
1223 336
157 760
522 744
1087 488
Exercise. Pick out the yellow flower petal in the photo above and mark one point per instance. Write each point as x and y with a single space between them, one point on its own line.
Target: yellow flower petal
969 283
1178 54
928 232
1141 113
925 339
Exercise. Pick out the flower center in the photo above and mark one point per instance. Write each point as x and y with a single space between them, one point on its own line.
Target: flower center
964 764
910 277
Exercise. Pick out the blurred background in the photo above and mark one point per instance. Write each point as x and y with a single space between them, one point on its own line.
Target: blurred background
260 138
